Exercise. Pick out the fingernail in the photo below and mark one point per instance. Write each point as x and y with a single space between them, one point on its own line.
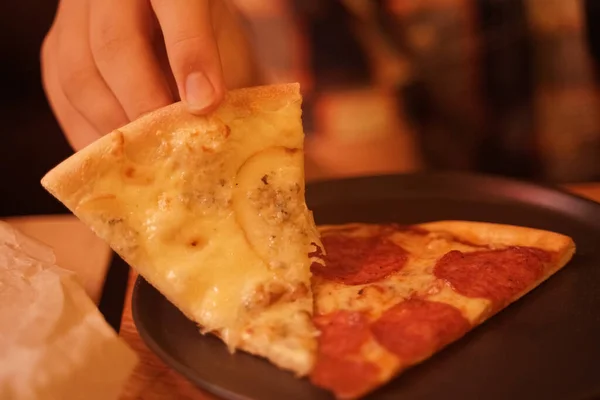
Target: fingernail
199 92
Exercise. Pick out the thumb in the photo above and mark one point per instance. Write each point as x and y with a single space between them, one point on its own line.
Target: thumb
192 51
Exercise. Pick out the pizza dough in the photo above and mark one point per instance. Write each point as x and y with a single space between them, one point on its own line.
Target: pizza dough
390 296
210 210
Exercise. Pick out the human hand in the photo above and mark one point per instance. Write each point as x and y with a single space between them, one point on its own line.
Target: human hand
106 62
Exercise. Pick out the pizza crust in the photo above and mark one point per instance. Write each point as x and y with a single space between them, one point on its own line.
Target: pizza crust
502 235
416 284
487 233
165 190
69 179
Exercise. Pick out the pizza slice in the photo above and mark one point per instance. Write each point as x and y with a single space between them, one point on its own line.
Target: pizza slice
389 297
210 210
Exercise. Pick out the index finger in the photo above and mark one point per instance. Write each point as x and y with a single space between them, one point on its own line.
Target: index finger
122 49
192 50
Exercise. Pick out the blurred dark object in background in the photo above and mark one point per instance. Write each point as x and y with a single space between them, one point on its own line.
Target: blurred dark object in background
31 141
450 114
592 21
502 86
499 86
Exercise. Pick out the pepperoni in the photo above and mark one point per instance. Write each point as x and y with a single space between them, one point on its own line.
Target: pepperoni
346 378
342 332
359 260
498 275
339 366
415 328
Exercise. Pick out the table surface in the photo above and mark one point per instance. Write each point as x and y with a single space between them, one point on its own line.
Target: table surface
78 249
152 379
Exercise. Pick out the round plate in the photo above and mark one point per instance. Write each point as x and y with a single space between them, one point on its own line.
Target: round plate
546 345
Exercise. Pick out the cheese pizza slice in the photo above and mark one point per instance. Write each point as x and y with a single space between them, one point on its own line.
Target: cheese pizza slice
389 296
210 210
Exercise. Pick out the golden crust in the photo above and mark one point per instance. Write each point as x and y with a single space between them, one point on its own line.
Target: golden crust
486 233
489 234
68 179
502 235
420 281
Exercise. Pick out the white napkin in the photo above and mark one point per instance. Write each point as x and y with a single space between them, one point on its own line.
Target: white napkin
54 342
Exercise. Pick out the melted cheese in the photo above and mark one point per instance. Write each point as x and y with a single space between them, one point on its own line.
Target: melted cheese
415 278
213 216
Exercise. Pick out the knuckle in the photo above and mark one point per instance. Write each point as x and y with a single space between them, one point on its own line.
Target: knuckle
184 43
107 41
188 50
74 78
75 69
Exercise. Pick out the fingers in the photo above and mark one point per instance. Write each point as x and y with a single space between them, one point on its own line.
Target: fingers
123 51
240 68
192 51
78 131
101 67
79 79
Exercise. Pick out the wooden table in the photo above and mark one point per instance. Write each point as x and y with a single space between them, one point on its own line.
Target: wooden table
152 379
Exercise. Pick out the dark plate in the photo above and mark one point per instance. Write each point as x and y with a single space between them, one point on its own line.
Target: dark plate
545 346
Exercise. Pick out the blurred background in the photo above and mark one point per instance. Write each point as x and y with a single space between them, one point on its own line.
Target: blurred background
497 86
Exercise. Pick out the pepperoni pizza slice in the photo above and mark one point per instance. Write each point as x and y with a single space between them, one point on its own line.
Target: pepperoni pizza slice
389 296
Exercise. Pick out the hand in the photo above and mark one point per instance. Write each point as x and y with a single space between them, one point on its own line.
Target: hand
106 62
